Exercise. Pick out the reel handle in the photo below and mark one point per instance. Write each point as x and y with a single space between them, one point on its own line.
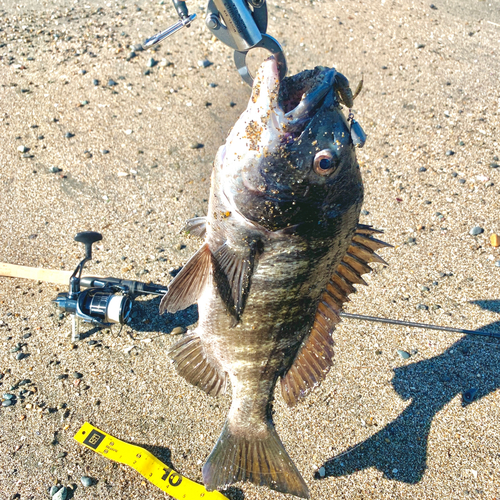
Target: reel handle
88 238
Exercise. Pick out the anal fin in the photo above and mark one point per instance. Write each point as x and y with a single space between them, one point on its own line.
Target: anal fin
193 364
186 288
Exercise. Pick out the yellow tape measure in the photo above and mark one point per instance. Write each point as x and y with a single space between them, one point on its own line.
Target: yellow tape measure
144 463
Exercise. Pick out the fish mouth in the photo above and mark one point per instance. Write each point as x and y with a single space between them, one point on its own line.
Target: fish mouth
295 100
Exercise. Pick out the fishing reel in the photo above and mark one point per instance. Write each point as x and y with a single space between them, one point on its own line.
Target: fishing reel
105 301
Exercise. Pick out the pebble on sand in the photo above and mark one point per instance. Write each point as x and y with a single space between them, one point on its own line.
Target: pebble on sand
60 494
476 231
22 149
87 481
403 354
495 240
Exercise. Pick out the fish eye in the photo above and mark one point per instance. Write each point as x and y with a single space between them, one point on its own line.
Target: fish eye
324 162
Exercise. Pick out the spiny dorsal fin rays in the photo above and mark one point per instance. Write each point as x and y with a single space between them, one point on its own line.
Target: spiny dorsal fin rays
315 357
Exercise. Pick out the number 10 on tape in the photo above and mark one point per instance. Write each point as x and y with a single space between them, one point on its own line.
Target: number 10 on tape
144 463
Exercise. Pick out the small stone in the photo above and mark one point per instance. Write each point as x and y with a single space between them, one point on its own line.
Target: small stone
62 376
469 395
111 83
147 72
365 212
196 145
15 349
25 381
61 455
151 63
9 396
476 231
435 307
77 375
204 63
413 352
427 202
69 135
7 402
495 240
450 152
53 490
84 103
462 181
20 356
131 55
95 82
494 165
422 169
178 330
432 6
87 481
422 307
321 472
22 149
28 335
88 154
404 354
82 72
129 131
424 288
461 143
60 494
104 151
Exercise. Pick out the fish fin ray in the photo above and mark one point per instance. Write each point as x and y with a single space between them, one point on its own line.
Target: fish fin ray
186 288
204 372
232 272
262 461
315 357
197 226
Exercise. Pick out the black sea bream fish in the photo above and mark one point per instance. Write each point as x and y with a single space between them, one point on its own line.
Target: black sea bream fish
282 250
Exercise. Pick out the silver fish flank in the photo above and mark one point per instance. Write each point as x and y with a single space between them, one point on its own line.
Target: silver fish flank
282 250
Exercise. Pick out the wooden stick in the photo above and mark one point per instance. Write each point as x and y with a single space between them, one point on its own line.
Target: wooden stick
35 273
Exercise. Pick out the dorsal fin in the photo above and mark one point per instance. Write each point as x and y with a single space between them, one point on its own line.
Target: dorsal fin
233 269
197 226
192 363
186 288
314 358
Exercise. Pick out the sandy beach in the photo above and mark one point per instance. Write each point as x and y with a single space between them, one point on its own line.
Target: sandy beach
95 138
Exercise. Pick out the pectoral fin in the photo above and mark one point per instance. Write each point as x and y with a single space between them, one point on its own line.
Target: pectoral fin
233 268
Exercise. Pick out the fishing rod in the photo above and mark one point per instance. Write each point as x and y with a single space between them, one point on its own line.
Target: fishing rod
376 319
109 300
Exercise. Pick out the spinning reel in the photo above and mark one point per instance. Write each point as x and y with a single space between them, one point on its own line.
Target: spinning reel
105 301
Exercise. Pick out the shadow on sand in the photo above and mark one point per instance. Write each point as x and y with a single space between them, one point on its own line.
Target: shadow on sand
470 367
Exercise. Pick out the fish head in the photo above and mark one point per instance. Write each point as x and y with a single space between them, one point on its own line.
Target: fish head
290 160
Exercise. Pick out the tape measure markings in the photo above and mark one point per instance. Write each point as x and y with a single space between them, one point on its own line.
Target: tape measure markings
144 462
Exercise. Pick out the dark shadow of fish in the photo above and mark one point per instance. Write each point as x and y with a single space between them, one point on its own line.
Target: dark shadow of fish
399 450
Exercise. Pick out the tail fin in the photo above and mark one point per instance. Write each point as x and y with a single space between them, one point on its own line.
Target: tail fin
264 462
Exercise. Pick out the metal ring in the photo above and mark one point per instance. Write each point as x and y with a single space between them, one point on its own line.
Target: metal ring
269 43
